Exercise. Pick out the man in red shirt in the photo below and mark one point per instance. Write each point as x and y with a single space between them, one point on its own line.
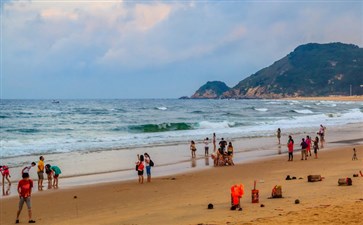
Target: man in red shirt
25 190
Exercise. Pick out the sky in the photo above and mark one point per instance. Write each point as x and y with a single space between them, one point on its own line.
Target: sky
76 49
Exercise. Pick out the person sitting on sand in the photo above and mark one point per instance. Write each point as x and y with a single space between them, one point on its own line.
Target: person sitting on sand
140 168
5 172
316 146
290 147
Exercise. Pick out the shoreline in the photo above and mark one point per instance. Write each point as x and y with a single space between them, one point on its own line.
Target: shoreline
327 98
115 201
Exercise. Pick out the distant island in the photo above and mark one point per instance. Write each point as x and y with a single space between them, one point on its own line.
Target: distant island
310 70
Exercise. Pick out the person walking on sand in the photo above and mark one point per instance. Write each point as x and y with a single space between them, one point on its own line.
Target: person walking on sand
148 166
5 172
308 148
303 145
27 168
354 154
278 135
316 146
290 147
56 172
206 146
40 173
25 191
140 168
193 149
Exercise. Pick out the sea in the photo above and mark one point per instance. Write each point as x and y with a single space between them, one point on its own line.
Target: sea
39 127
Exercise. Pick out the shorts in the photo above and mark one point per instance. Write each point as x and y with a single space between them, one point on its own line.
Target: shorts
27 202
56 175
140 173
148 170
41 175
6 173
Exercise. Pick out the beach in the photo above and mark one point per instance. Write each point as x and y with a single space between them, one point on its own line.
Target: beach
182 198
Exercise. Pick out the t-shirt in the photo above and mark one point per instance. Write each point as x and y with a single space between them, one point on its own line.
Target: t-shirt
141 166
56 170
206 143
290 145
26 169
40 166
24 187
147 161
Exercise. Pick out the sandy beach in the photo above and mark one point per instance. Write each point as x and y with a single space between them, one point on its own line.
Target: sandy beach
183 198
331 98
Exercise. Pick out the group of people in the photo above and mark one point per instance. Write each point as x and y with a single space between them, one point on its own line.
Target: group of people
25 185
223 156
305 144
144 162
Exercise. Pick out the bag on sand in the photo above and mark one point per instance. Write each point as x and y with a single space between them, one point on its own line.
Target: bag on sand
314 178
345 181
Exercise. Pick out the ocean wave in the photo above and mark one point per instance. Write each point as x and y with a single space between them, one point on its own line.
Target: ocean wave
162 127
261 109
161 108
302 111
23 130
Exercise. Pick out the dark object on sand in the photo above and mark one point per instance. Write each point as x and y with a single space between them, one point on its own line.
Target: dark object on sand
355 175
210 206
234 207
288 177
294 178
75 196
262 205
297 201
345 181
276 192
314 178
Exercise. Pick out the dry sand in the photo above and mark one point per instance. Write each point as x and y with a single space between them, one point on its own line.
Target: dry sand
183 199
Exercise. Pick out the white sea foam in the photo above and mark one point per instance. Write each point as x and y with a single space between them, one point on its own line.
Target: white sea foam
261 109
162 108
215 125
303 111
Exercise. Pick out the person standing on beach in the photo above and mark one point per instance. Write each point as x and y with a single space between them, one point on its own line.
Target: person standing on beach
303 145
278 134
321 133
354 154
40 173
5 172
140 168
56 172
290 147
25 190
308 148
49 173
316 146
223 144
27 168
193 149
206 146
148 166
214 142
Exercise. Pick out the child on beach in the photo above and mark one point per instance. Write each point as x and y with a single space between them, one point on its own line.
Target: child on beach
56 172
354 154
49 173
193 149
206 147
316 147
290 147
148 166
27 168
140 168
5 172
25 190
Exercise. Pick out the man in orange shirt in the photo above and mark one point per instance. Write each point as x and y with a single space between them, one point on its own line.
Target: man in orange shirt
40 173
25 190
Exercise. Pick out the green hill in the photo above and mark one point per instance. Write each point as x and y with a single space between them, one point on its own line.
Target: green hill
310 70
212 89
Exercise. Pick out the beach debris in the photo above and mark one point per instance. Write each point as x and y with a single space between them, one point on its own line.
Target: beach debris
297 201
255 194
237 191
315 178
262 205
276 191
75 196
288 177
293 178
355 175
300 178
345 181
210 206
